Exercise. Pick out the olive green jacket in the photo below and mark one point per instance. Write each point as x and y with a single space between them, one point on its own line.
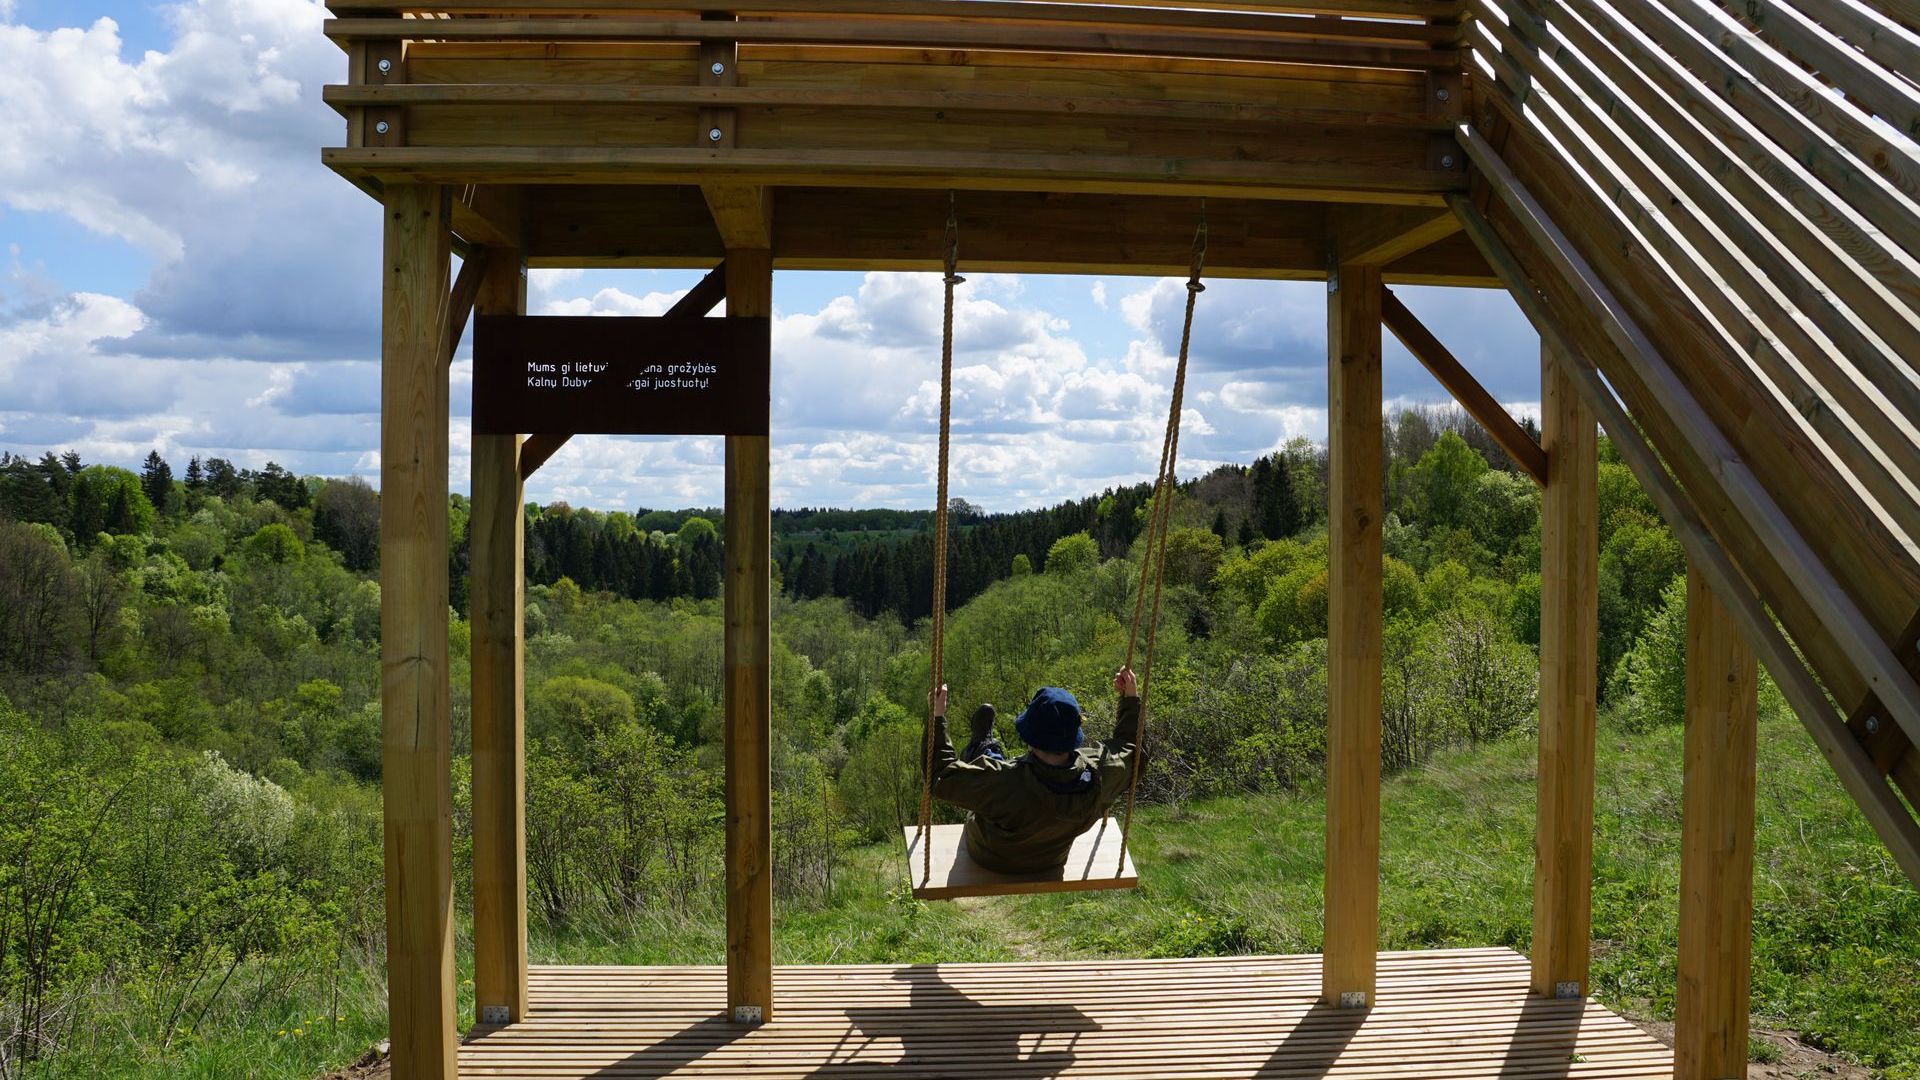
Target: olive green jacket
1024 814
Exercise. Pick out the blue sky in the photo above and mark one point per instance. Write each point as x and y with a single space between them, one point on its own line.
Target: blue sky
181 273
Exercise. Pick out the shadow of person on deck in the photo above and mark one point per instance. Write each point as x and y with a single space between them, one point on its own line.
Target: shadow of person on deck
942 1031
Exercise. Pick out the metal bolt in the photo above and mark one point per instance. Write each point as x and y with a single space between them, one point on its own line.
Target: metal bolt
381 127
386 67
1443 93
1873 725
1446 161
718 68
713 134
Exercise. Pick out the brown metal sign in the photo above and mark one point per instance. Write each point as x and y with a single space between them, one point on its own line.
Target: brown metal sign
580 375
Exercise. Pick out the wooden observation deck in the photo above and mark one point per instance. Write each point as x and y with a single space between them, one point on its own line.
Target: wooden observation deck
1457 1014
1710 209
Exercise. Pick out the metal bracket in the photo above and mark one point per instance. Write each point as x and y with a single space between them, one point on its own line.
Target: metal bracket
496 1014
1567 991
1353 999
747 1014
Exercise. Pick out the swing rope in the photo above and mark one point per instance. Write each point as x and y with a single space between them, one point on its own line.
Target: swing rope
939 633
1157 528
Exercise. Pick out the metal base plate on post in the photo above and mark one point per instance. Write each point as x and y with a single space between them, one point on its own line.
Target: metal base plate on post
746 1014
1567 990
496 1014
1353 999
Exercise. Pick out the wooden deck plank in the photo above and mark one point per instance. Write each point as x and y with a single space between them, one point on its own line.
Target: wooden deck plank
1458 1014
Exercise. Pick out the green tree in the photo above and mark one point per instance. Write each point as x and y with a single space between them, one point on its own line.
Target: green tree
275 544
1443 482
1072 554
109 499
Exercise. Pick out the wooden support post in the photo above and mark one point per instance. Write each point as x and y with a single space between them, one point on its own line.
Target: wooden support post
1354 442
415 748
1569 684
499 696
748 602
1716 844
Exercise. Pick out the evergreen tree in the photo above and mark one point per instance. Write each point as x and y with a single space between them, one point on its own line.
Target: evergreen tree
196 476
156 479
223 479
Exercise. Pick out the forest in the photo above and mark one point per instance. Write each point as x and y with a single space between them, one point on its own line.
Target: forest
190 845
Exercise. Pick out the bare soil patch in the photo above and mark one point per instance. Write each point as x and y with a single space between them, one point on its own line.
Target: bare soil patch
1798 1061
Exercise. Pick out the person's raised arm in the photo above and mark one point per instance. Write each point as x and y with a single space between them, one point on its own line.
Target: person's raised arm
944 757
1126 725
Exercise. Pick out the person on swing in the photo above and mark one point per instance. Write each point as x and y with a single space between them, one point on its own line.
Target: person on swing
1024 814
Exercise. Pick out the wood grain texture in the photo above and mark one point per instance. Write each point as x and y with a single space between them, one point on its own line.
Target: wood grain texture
1569 682
1090 865
748 604
1373 237
416 750
1355 515
1455 1015
1851 389
498 533
1229 15
1716 844
1332 50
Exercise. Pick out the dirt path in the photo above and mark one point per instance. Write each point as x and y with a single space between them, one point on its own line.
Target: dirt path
1021 939
1798 1061
373 1065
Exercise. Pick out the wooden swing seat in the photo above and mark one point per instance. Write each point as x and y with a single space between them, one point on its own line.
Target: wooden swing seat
1090 865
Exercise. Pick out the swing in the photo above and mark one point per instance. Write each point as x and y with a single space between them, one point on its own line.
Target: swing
1099 858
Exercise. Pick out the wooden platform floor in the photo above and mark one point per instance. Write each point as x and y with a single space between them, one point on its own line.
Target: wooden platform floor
1451 1014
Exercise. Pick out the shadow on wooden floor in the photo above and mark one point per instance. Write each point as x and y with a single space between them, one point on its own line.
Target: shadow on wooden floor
938 1030
1314 1044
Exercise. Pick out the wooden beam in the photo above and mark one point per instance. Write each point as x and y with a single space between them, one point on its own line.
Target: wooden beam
348 98
934 34
1229 15
416 751
1377 237
1013 232
748 604
1569 685
466 286
705 295
488 215
743 214
499 696
1144 174
1355 443
1869 653
1890 818
1466 389
1716 844
1840 64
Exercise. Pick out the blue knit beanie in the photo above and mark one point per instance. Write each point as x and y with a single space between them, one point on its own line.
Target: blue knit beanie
1051 721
